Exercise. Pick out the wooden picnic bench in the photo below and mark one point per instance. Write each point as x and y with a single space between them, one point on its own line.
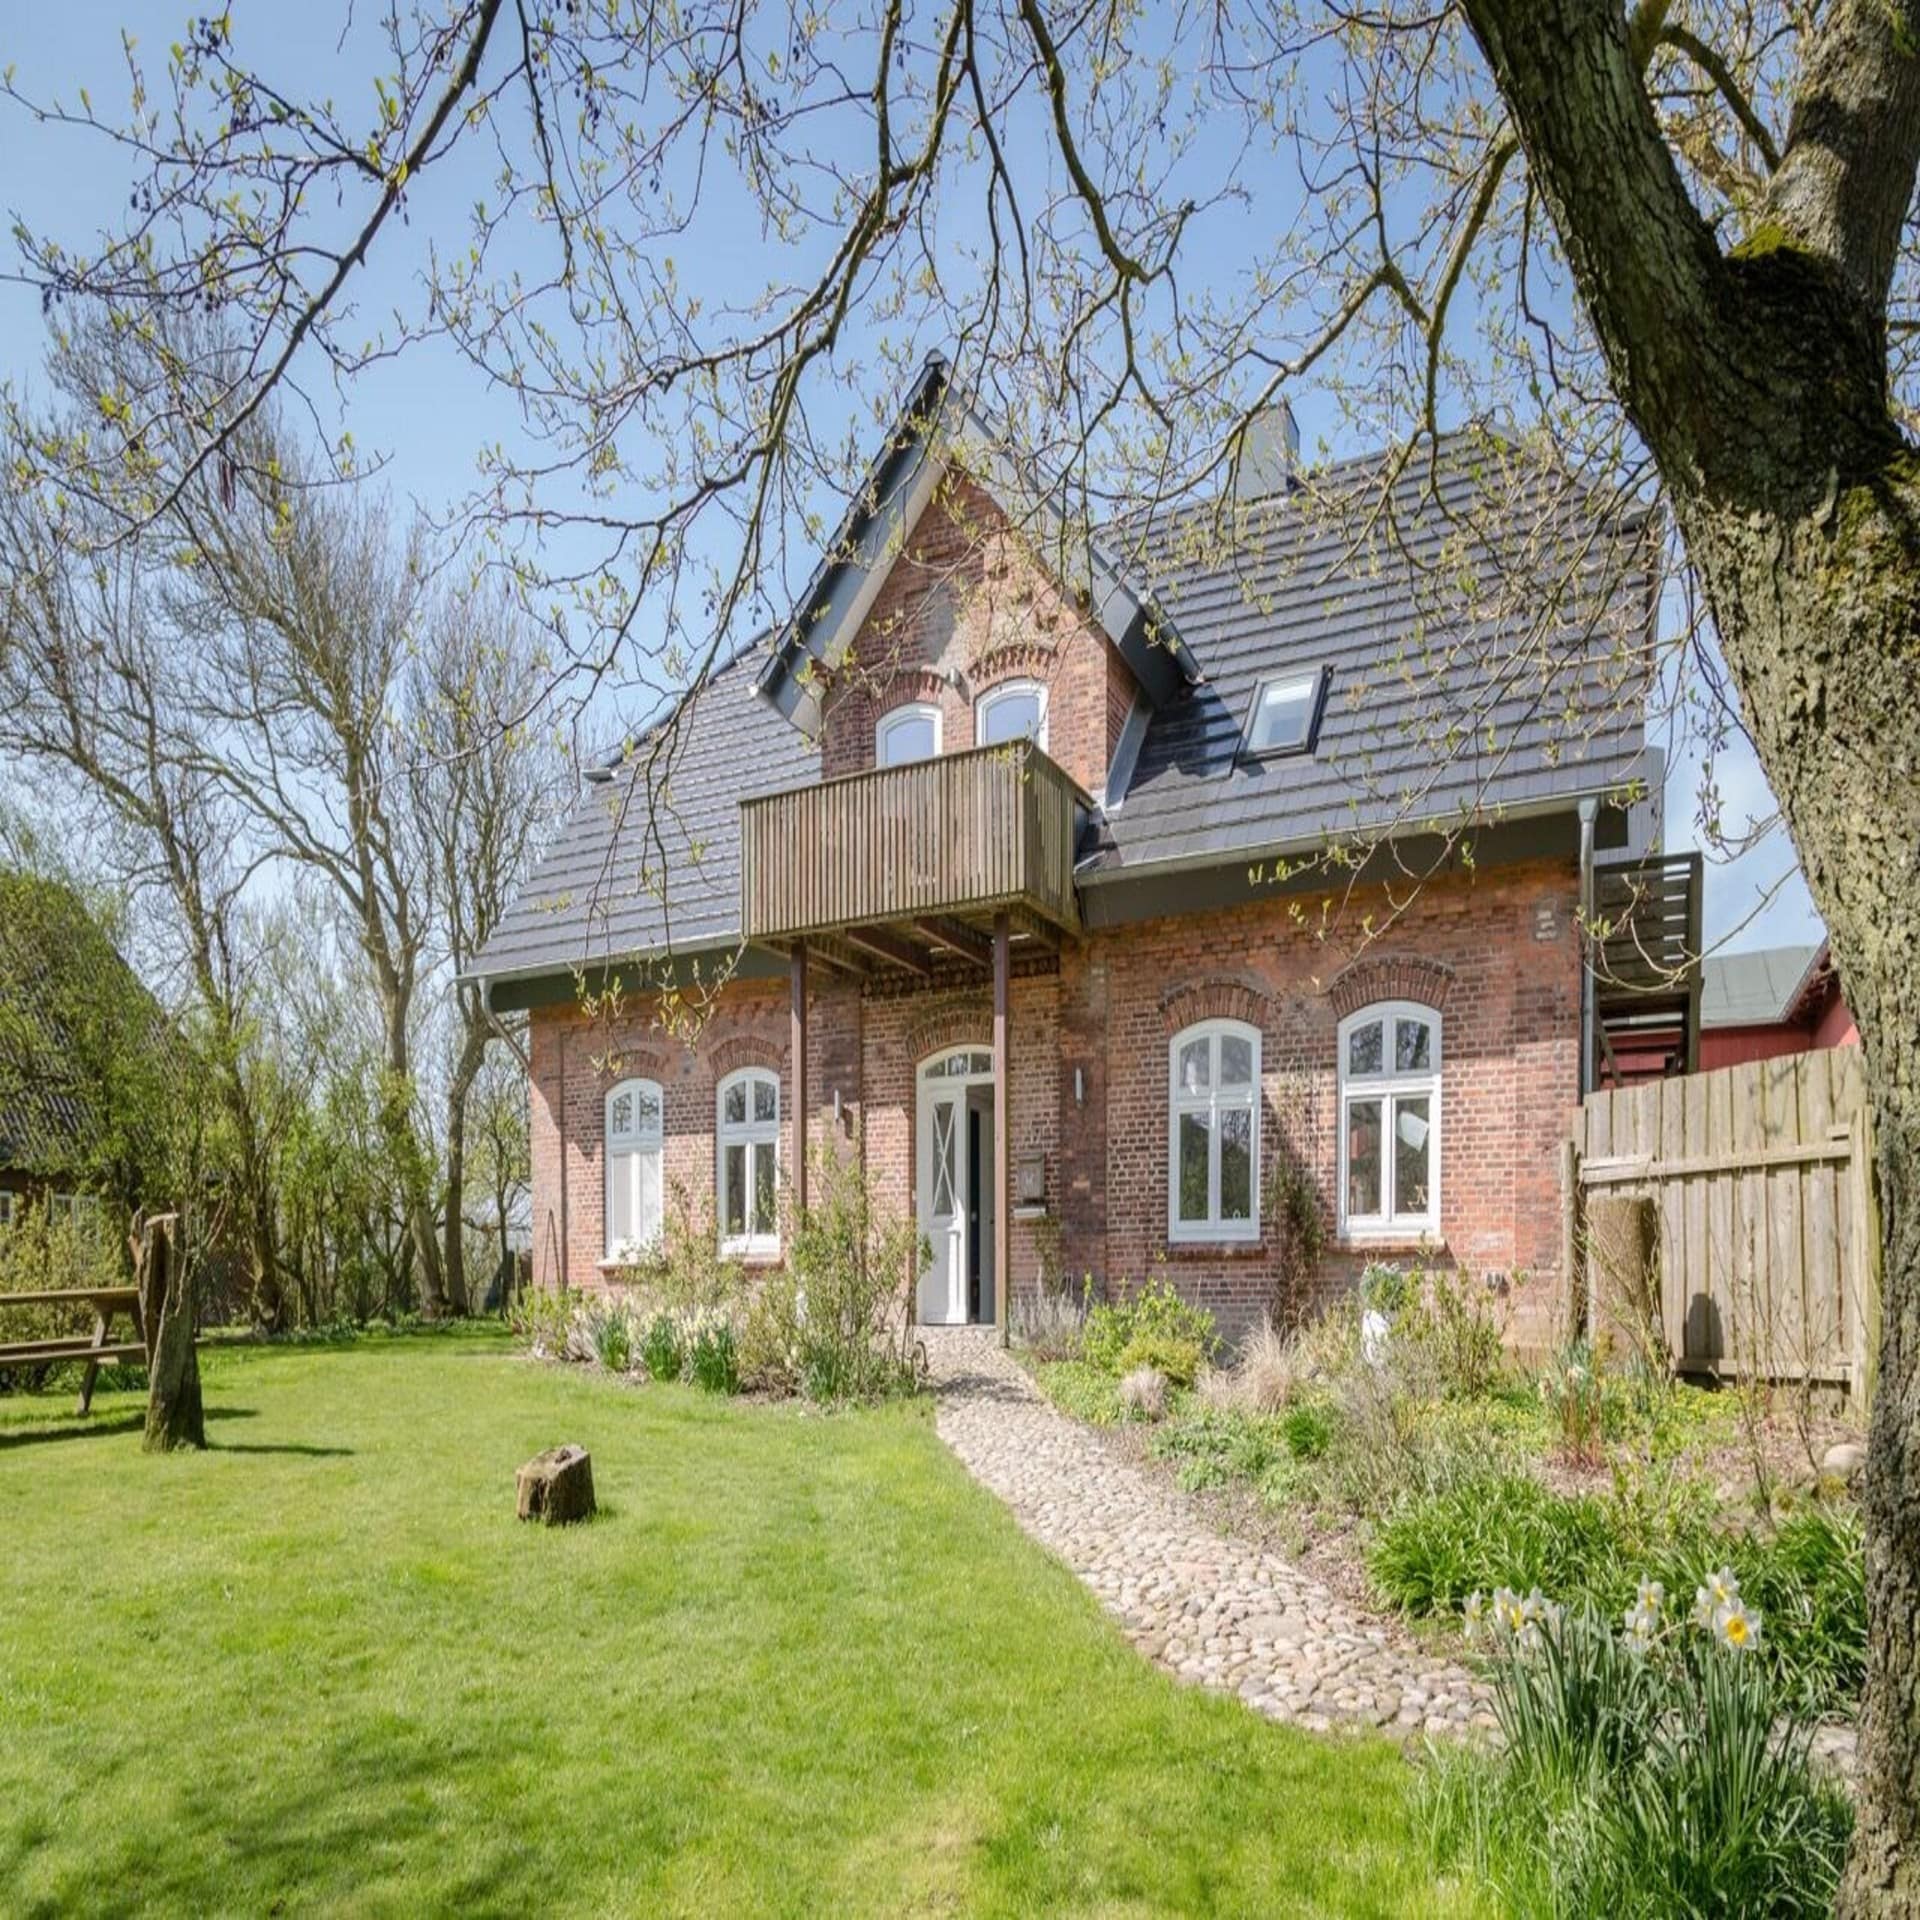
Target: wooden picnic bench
95 1351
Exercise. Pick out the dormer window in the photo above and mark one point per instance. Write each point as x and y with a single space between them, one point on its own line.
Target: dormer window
1014 710
1285 717
907 734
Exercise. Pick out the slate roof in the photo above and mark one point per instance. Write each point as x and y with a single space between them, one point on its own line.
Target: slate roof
1754 989
1449 693
624 878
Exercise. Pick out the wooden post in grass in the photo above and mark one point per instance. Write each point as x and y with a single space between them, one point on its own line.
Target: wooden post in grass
175 1415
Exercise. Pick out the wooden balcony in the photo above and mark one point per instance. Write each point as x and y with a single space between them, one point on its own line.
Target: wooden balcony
906 862
1647 966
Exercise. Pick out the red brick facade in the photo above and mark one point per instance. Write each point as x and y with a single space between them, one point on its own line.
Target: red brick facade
965 607
1495 955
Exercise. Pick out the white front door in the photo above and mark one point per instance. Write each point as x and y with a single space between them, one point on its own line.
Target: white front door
943 1200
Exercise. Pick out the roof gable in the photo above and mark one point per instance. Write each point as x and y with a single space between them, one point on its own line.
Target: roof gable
937 428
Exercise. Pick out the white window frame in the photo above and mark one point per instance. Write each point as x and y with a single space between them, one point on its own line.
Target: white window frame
888 722
1212 1231
758 1137
629 1149
1315 680
1389 1087
994 696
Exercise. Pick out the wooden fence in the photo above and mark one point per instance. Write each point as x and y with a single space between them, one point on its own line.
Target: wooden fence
1766 1238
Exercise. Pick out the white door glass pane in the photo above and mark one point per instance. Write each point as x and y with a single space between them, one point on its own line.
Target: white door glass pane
734 1109
1196 1066
1412 1132
1236 1060
763 1173
620 1119
646 1110
943 1160
1412 1046
906 737
1010 716
1281 714
733 1191
619 1201
1363 1157
1195 1133
766 1100
1364 1049
1236 1163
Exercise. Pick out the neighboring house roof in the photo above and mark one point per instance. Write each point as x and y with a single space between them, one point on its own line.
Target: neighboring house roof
1430 714
936 424
51 952
1759 989
625 876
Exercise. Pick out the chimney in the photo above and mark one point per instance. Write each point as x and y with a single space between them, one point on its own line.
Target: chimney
1269 452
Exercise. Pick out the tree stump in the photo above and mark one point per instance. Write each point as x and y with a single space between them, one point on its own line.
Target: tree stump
1623 1318
175 1415
556 1487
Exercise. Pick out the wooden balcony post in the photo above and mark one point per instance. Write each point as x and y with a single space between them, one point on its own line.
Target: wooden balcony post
1002 1145
799 1005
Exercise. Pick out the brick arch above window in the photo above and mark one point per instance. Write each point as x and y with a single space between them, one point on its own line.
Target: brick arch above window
958 1024
1221 998
744 1050
631 1063
906 686
1018 660
1390 976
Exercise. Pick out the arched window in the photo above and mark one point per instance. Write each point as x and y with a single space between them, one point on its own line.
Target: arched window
1014 710
1390 1121
906 734
747 1146
636 1132
1213 1132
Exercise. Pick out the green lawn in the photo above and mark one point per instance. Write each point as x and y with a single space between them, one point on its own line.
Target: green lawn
798 1665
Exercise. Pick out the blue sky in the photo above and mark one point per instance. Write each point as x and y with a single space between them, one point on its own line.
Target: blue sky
428 414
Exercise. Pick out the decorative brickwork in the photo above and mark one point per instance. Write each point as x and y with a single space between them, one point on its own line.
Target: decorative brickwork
1390 976
739 1050
1212 1000
965 606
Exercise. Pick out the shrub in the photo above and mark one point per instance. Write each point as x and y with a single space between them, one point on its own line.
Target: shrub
1574 1393
1655 1770
836 1325
1081 1391
1462 1335
1265 1372
1309 1427
1508 1531
1214 1447
1807 1576
609 1330
1143 1393
712 1354
1177 1359
1387 1289
1049 1322
1112 1326
660 1348
684 1269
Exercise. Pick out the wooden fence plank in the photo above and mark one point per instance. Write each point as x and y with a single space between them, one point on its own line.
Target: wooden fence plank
1764 1208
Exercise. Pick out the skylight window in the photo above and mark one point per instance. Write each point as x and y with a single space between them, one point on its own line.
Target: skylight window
1285 715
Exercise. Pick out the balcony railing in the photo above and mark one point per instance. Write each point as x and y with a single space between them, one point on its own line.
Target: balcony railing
1647 967
958 836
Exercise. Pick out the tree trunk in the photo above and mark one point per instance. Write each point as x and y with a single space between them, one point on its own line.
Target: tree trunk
175 1416
473 1049
1819 614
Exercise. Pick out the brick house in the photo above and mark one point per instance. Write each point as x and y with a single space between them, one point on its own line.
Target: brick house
1004 869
